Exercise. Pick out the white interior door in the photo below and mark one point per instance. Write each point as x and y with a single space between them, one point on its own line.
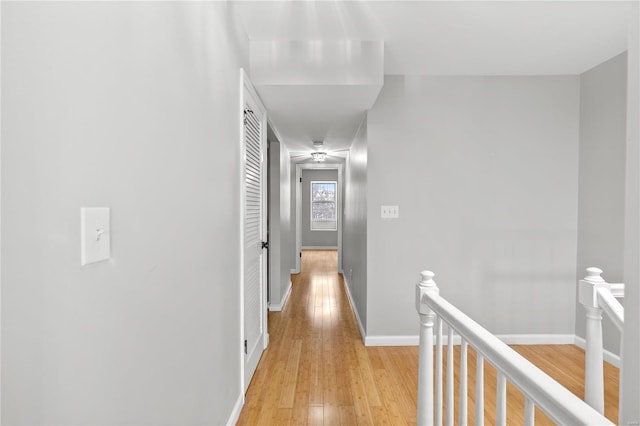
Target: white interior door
255 266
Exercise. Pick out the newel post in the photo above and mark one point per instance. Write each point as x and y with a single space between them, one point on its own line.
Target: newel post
593 369
426 286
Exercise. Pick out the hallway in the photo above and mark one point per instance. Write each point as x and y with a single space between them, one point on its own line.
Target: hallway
317 371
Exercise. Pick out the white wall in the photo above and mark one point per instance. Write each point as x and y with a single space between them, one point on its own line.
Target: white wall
125 105
485 174
630 372
354 229
603 106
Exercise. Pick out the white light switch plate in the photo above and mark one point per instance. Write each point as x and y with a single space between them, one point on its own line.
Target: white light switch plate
95 238
389 212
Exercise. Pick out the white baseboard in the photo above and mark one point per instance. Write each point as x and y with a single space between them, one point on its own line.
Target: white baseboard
509 339
319 248
276 307
391 340
537 339
353 308
237 408
608 356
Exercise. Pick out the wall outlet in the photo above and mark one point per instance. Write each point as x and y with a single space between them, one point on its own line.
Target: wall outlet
389 212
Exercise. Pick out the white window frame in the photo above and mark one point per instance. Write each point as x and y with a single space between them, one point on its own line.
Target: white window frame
325 225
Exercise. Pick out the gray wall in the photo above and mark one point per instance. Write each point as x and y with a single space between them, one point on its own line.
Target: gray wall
315 238
603 106
274 222
287 258
125 105
354 228
280 233
485 171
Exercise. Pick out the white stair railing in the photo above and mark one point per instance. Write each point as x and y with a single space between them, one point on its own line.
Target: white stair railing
597 296
539 390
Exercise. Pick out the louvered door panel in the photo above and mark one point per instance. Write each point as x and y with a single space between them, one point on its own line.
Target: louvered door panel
254 303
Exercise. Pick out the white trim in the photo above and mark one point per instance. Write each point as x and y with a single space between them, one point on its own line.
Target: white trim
363 334
297 183
277 307
274 130
391 340
0 215
319 248
246 87
334 228
237 409
241 242
537 339
608 356
294 271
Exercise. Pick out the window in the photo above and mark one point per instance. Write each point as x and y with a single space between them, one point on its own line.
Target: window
323 206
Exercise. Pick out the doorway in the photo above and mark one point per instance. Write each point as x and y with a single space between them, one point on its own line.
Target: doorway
253 239
302 223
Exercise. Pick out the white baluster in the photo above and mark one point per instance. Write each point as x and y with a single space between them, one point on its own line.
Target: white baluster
593 370
479 417
438 402
449 404
462 416
501 400
426 286
529 412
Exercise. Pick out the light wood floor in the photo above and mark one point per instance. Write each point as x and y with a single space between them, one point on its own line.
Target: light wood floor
316 370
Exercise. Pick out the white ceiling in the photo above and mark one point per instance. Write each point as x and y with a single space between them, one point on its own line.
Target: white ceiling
431 38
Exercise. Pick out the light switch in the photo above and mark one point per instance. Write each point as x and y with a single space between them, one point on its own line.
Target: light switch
389 212
95 238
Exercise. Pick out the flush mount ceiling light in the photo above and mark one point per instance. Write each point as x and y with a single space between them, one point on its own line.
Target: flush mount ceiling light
318 156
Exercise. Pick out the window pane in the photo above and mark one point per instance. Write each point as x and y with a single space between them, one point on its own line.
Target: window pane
323 191
323 211
324 205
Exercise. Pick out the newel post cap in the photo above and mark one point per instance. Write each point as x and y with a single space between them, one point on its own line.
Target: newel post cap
594 275
426 279
425 286
587 287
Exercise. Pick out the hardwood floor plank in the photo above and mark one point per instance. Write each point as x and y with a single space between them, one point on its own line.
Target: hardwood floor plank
360 404
282 416
317 371
367 376
331 414
288 390
316 390
348 415
316 415
389 397
380 416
